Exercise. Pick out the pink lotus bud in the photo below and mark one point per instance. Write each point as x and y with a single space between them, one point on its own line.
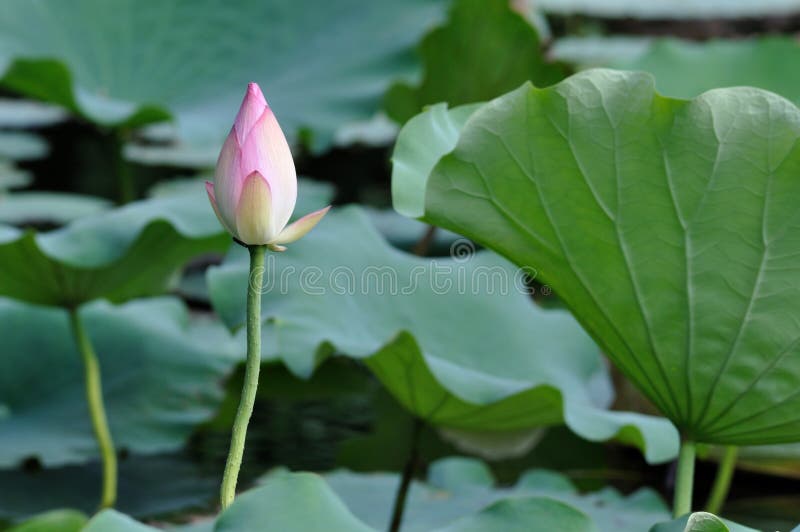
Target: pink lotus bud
255 184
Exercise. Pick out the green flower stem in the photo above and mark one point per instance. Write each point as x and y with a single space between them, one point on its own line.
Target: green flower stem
97 411
722 484
408 475
252 368
684 481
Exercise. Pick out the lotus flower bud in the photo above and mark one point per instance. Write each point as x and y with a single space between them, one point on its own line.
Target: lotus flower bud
255 184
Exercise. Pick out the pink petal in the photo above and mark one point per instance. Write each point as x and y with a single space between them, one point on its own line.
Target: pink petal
213 199
254 219
250 111
228 179
298 229
265 150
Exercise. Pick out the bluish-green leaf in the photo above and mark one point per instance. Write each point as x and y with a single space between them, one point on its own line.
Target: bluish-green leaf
425 327
21 146
149 486
668 9
290 502
127 252
52 207
54 521
321 64
113 521
700 522
685 69
484 49
161 377
665 225
533 514
469 489
16 113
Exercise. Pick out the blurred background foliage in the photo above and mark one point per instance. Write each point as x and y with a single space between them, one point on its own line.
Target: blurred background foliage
112 112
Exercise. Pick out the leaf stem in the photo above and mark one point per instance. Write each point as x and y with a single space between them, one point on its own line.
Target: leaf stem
252 368
97 411
126 182
408 474
722 483
684 480
422 247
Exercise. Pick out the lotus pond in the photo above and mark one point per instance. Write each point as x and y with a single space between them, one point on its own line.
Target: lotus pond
401 265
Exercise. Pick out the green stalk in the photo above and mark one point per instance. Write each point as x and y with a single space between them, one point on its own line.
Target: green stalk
97 411
684 481
408 475
252 368
722 484
127 186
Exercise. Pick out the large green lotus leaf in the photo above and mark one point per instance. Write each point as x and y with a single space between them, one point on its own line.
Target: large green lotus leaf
406 233
667 227
529 514
25 114
200 526
669 9
114 521
453 396
304 502
599 50
459 487
534 514
21 146
484 50
120 254
54 521
12 177
456 499
53 207
425 138
321 64
293 501
685 69
700 522
425 327
161 377
149 486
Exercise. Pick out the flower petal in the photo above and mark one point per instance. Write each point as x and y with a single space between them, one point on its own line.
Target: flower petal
299 228
213 199
228 179
250 111
265 150
254 216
